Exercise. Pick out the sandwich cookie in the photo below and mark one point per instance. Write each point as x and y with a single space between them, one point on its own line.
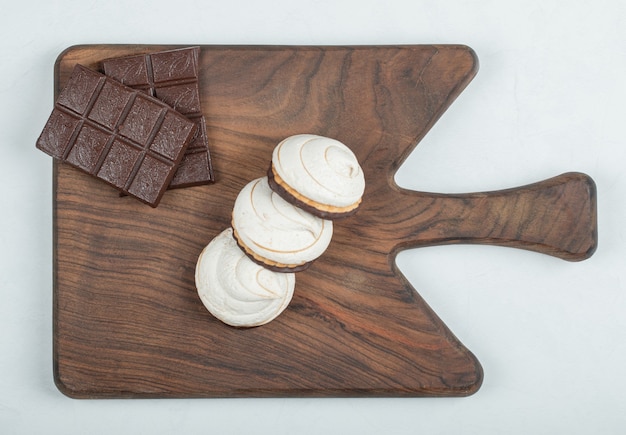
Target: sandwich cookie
318 174
236 290
275 233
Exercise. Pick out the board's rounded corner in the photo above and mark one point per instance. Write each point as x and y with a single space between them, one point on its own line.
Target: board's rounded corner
458 51
65 52
472 53
473 385
467 378
475 61
65 388
472 61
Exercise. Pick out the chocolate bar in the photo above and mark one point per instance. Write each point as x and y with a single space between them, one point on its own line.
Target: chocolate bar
126 138
172 77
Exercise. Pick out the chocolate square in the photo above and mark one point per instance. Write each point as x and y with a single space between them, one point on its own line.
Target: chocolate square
141 120
175 65
78 97
108 107
172 77
119 162
164 142
57 133
183 98
87 148
151 172
116 133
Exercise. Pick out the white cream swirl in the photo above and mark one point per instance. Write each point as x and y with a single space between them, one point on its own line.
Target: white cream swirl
275 230
236 290
320 168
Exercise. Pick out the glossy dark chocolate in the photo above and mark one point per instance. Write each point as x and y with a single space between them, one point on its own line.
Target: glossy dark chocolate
128 139
172 77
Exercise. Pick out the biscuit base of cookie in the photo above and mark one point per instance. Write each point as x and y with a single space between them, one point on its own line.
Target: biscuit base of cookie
267 263
323 211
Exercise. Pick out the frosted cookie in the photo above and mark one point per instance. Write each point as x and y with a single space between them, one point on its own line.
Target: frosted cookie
274 233
318 174
236 290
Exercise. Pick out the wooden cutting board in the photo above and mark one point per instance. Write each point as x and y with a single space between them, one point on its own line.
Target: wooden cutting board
127 318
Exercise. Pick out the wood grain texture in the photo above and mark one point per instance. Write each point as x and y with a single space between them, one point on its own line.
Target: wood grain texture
127 318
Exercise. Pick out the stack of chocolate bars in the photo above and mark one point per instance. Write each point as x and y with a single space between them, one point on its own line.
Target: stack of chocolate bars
138 127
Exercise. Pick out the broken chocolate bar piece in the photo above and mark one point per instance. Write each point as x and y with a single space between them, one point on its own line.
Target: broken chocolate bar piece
128 139
172 77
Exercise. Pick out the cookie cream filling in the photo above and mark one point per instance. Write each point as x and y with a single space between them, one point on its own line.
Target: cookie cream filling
236 290
322 169
276 230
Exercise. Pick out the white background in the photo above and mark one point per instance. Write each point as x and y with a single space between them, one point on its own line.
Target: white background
548 99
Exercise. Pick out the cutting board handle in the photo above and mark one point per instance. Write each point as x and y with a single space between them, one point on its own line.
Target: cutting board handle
557 217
